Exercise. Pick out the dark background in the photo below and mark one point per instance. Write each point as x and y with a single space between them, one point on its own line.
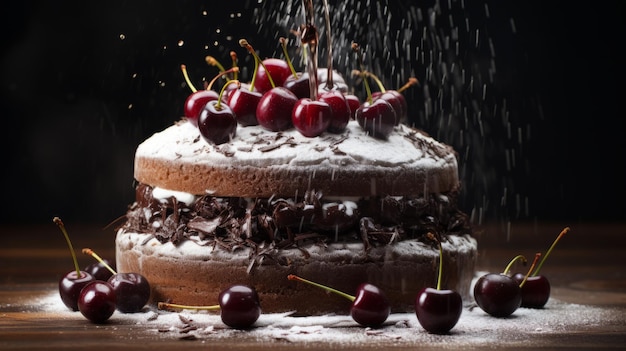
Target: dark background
77 98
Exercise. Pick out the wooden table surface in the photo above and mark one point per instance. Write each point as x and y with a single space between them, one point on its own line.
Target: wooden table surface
586 310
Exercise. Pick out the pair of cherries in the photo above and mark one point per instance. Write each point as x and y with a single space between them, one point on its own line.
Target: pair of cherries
97 291
500 295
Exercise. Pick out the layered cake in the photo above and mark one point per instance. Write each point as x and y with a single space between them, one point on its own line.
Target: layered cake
339 209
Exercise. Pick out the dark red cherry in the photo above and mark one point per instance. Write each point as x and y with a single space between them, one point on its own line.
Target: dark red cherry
340 110
299 85
70 286
239 306
396 100
274 109
371 307
535 292
97 301
438 311
311 118
497 294
243 103
99 270
279 71
195 103
132 291
217 123
377 118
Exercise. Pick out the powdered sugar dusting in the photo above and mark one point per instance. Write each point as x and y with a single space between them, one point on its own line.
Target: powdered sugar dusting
475 328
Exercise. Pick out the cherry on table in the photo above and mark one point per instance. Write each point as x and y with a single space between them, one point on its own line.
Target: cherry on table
239 306
97 301
370 307
438 310
99 270
536 289
74 281
535 292
131 289
497 294
70 286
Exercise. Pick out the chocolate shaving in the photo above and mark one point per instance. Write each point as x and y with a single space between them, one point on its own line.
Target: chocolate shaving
266 226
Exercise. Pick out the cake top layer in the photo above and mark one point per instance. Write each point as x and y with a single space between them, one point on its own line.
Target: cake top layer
255 161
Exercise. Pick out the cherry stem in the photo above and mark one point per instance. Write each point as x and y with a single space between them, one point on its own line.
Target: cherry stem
310 39
411 82
218 105
61 226
297 278
212 61
432 237
508 267
257 61
532 266
90 252
329 48
380 84
233 57
191 86
563 232
359 55
165 305
210 86
283 45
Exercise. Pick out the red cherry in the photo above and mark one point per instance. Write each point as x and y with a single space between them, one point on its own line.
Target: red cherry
311 118
195 103
70 286
299 85
497 294
74 281
132 291
377 118
274 109
535 292
217 123
239 306
279 71
99 271
243 103
370 307
438 311
396 100
340 110
97 301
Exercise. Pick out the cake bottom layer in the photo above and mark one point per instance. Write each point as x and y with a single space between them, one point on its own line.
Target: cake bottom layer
194 272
